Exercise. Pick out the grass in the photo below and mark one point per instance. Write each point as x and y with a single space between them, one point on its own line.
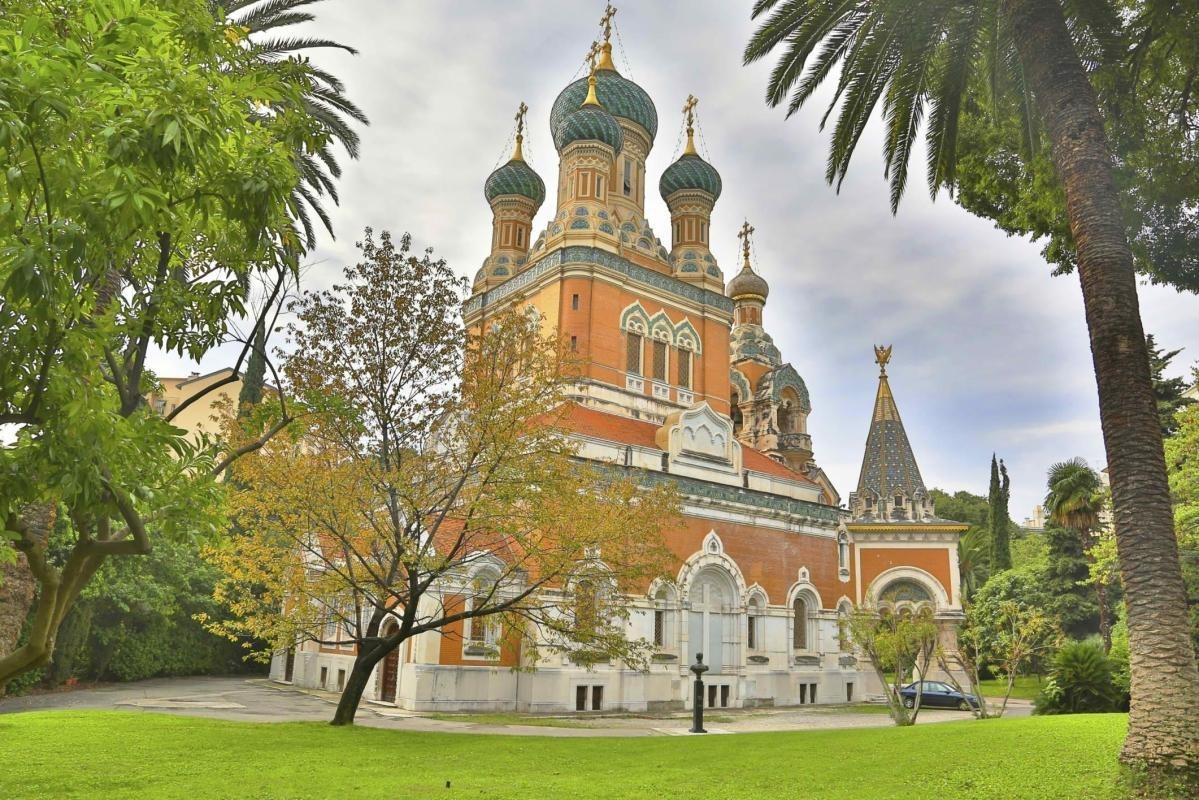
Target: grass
112 755
1027 687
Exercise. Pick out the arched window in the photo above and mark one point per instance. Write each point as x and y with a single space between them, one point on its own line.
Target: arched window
482 630
844 611
753 636
799 633
735 412
586 609
784 417
843 551
633 353
662 632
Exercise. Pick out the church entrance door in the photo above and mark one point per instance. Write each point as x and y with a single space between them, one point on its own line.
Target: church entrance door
389 670
712 623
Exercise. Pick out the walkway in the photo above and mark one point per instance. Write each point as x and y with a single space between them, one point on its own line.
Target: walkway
261 700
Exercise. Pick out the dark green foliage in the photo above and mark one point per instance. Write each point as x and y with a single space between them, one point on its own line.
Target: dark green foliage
135 621
998 520
961 507
1065 578
1081 681
255 377
1168 391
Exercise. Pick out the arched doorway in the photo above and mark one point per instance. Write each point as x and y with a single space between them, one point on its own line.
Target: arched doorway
712 621
390 669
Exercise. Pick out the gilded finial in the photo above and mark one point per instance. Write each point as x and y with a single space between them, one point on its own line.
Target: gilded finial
592 55
605 56
517 153
882 355
689 113
743 235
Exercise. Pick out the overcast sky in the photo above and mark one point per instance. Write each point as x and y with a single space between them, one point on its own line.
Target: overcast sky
991 352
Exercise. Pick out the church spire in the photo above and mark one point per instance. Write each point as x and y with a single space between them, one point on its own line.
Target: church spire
889 485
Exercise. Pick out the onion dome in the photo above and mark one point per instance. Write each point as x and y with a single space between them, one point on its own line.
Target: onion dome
618 94
515 177
690 172
589 122
748 284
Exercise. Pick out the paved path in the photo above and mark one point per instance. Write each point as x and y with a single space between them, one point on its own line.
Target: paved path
260 700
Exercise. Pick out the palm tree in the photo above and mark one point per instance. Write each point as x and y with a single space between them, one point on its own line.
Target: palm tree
973 559
1074 500
324 99
930 56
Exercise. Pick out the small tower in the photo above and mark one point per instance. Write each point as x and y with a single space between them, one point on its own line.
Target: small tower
769 398
515 192
889 486
691 187
588 140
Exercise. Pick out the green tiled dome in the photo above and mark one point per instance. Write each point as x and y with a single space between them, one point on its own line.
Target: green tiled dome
616 93
690 172
589 123
515 177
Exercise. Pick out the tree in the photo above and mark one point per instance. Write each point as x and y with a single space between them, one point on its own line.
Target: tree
1182 455
1003 635
1074 500
973 560
1170 392
429 487
323 96
998 520
936 56
1066 576
1145 77
899 645
127 131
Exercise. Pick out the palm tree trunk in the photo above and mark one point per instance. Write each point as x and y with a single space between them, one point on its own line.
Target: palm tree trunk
1163 731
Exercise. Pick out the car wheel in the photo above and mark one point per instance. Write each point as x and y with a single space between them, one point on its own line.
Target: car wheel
909 702
964 706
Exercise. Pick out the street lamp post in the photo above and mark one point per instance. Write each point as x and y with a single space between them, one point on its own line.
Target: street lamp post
697 703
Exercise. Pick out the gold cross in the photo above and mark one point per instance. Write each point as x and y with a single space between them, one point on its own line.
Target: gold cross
593 54
743 235
689 109
520 118
606 21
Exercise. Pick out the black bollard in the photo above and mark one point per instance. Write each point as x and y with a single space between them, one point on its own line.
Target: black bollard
697 702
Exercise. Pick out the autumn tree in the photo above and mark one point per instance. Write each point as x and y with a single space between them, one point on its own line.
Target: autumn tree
430 488
901 646
128 131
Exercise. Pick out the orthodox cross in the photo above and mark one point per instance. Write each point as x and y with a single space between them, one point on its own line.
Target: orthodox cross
592 55
743 235
520 118
882 355
689 112
606 21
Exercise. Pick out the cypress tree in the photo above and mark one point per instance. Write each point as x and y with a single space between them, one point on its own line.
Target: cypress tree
255 376
998 519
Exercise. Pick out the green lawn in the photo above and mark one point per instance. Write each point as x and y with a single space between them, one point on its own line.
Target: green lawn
1027 687
91 754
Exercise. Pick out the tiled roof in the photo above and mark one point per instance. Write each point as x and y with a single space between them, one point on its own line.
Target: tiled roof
589 123
515 177
888 466
626 430
689 172
616 93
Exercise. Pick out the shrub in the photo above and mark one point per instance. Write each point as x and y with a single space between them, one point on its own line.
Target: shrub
1080 681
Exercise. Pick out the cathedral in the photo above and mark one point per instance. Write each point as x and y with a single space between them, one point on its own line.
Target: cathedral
681 382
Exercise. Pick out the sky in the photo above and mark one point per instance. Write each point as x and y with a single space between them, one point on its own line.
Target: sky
990 351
